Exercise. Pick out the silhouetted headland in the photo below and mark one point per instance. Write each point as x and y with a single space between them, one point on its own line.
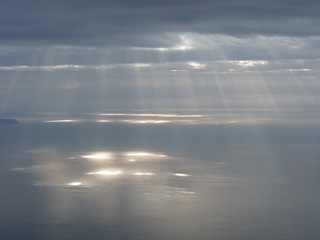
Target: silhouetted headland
8 121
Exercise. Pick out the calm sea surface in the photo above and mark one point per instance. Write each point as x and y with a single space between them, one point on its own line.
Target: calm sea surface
159 180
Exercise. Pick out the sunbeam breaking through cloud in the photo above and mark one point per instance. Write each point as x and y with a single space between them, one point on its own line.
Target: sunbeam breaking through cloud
169 119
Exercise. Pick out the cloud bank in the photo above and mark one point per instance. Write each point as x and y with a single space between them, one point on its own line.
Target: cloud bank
157 24
123 55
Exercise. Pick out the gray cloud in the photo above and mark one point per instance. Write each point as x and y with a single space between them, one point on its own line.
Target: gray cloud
188 47
146 23
97 55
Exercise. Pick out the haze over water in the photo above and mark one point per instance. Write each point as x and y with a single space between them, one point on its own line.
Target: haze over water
159 179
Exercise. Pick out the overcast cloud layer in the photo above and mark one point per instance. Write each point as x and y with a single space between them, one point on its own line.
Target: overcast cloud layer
100 55
143 23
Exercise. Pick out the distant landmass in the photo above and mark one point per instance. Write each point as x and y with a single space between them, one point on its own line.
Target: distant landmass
8 121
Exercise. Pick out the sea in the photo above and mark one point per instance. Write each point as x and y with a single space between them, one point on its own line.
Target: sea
173 176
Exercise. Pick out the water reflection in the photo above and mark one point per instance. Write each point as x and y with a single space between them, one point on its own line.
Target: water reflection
190 182
104 121
63 167
75 184
181 175
106 172
98 156
145 154
62 121
143 174
160 119
150 115
28 168
217 117
145 121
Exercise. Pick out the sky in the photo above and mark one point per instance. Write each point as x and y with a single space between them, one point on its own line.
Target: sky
158 56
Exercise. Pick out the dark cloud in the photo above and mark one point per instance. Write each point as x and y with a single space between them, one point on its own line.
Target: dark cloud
146 23
124 54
